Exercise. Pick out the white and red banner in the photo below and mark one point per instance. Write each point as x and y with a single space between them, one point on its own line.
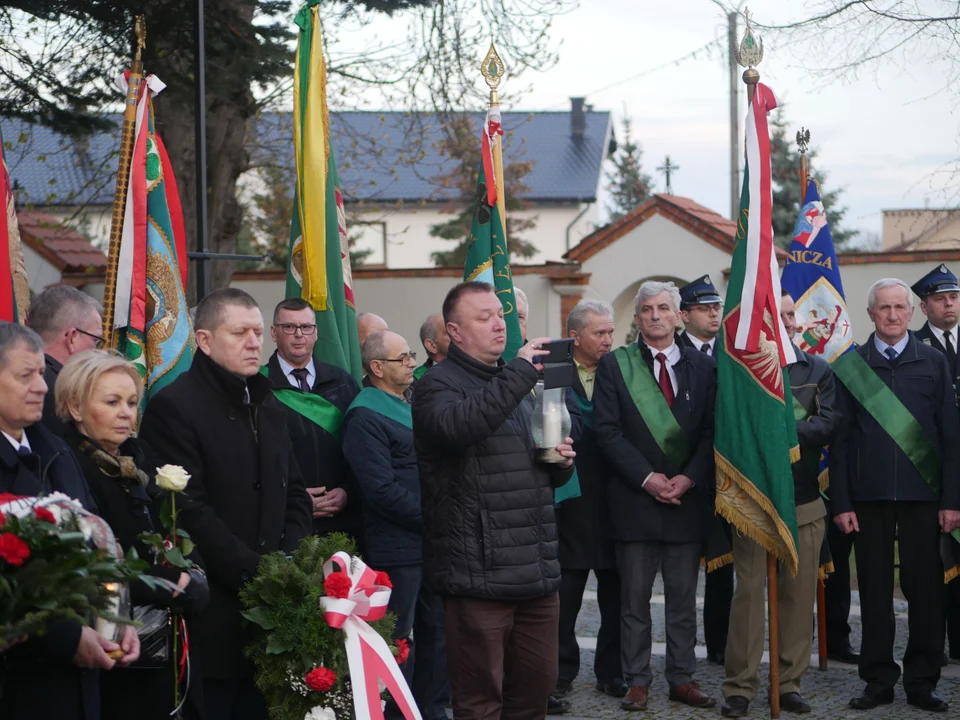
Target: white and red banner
761 283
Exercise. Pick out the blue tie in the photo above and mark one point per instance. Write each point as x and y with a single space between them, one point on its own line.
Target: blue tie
890 353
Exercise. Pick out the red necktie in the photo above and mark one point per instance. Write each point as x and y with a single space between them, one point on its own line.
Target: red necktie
665 385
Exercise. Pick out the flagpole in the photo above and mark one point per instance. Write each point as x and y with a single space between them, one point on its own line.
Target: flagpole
749 56
803 142
134 85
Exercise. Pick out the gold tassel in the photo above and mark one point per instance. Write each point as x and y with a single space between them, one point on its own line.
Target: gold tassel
827 568
951 574
824 479
719 562
795 454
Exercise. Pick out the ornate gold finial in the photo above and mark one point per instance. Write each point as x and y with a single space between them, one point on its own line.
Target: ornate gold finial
493 71
750 53
803 140
140 28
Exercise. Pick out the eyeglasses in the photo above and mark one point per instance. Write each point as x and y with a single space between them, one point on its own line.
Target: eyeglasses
291 328
406 357
101 341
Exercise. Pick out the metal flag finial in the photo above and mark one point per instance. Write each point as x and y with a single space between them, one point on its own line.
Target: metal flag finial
493 71
803 140
140 28
750 53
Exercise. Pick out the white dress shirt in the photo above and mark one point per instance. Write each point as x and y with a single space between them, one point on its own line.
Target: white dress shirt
17 444
698 343
288 372
938 334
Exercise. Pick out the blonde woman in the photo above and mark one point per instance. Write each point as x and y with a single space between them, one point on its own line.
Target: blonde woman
98 396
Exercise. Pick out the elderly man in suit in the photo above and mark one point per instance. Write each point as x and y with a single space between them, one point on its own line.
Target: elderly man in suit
895 475
653 412
582 521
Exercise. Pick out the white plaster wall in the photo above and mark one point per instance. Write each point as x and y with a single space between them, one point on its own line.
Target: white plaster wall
93 222
40 273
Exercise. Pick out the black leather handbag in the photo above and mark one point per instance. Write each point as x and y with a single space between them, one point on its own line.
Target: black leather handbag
156 636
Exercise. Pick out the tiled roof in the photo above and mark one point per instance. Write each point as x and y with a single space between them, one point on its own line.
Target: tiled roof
63 247
373 151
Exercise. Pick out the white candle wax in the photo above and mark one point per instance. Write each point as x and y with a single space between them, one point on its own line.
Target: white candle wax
552 429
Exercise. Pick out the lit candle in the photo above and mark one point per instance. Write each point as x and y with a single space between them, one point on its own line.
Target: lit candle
552 428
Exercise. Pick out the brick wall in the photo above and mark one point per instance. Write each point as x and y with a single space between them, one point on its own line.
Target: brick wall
567 303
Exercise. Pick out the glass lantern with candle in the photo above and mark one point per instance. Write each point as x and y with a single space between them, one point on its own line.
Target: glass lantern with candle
551 423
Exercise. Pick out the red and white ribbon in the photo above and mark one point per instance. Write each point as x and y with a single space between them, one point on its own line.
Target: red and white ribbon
492 130
368 655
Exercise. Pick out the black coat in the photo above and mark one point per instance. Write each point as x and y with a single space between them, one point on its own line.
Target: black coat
583 521
51 372
866 465
319 453
381 455
130 509
812 384
632 453
246 496
488 519
926 336
39 680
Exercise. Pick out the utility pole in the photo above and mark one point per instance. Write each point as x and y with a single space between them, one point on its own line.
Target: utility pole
734 117
667 169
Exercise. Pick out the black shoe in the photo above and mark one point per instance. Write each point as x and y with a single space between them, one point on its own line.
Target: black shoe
872 697
844 654
717 657
615 688
793 702
561 690
928 701
557 706
734 706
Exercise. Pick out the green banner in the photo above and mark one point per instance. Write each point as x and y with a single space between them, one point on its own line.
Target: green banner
314 408
648 397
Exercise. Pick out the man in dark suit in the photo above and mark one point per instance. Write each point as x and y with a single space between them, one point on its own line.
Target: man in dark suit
654 413
52 676
69 322
939 295
700 309
903 486
246 497
582 521
315 423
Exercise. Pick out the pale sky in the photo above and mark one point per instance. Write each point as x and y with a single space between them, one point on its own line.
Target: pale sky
883 137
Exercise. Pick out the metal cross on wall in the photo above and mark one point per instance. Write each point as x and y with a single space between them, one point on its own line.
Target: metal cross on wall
667 169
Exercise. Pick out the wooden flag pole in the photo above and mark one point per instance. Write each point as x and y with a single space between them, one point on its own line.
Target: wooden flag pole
134 87
803 141
749 56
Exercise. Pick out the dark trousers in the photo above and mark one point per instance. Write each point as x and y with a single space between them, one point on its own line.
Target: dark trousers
717 598
606 663
420 621
837 588
233 700
917 528
679 564
952 616
501 657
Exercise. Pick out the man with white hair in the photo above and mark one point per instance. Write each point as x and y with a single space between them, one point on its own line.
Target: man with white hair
523 308
895 474
653 412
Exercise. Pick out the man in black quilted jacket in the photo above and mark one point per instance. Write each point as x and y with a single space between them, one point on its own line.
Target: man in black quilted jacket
489 534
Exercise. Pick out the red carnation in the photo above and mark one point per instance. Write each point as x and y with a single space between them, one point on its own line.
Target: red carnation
320 679
13 549
45 515
9 497
337 585
403 651
383 579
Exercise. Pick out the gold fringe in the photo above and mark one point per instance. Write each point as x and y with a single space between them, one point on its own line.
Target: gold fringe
795 454
784 549
951 574
824 479
719 562
827 568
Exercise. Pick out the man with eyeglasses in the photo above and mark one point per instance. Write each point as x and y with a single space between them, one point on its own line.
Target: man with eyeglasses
316 396
378 444
69 322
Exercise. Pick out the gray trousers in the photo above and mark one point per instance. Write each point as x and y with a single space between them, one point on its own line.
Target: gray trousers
680 565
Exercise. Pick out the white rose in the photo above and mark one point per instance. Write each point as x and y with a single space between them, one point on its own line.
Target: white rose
321 713
172 477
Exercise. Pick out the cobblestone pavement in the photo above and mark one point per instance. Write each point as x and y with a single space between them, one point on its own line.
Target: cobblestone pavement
828 692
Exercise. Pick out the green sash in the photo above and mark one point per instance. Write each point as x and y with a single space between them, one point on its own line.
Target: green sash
895 419
419 372
314 408
648 397
800 414
571 488
383 403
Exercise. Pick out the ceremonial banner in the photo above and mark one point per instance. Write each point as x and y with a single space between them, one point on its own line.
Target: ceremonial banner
14 292
488 259
151 324
318 269
756 438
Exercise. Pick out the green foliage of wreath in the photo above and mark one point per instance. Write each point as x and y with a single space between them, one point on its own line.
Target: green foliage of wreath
291 636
